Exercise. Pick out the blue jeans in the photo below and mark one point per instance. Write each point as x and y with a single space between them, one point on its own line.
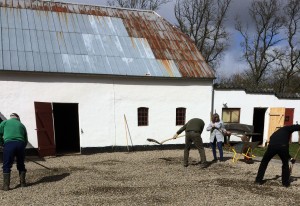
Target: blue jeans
219 145
10 151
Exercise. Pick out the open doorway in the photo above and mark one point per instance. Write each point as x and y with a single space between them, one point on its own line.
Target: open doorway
259 124
66 124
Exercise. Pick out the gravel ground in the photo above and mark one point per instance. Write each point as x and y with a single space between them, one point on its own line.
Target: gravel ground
148 178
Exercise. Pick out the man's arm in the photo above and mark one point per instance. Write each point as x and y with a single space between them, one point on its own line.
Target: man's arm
179 131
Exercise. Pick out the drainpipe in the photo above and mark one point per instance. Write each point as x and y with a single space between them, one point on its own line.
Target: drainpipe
212 99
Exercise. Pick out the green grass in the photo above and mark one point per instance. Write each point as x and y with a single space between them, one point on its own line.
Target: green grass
260 151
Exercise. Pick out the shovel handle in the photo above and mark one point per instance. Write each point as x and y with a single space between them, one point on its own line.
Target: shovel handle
170 139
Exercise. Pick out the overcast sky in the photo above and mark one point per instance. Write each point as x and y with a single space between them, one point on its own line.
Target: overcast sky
231 62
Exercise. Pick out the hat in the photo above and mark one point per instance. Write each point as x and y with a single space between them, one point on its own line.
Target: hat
14 115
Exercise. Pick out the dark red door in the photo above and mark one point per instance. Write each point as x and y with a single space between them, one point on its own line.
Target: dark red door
289 116
44 128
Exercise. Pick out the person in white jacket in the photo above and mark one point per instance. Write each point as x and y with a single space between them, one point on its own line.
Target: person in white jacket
216 128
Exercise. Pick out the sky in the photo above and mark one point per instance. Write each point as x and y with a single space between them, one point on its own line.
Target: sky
231 62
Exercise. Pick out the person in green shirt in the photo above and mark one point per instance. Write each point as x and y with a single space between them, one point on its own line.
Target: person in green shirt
193 130
13 137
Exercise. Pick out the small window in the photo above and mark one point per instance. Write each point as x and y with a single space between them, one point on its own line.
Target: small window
231 115
143 116
180 116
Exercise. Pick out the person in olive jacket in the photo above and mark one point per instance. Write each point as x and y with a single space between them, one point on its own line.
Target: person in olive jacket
13 137
278 145
193 129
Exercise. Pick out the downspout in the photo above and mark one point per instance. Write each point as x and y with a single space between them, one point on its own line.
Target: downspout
212 100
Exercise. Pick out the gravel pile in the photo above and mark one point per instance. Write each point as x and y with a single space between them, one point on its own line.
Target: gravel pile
148 178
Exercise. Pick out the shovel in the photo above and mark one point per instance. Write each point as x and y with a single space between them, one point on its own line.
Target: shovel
155 141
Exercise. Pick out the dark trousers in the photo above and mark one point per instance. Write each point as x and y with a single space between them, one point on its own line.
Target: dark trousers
220 148
283 152
193 137
10 151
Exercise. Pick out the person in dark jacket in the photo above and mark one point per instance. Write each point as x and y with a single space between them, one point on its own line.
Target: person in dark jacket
278 145
13 137
193 129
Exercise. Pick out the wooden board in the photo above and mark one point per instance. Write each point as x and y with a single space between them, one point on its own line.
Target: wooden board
276 120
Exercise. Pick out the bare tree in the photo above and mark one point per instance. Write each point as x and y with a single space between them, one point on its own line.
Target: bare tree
203 21
289 63
259 46
138 4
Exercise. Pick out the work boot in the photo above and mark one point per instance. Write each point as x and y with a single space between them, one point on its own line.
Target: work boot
204 165
6 181
22 179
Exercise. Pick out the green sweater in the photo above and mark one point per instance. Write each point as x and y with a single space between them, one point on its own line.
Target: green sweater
12 130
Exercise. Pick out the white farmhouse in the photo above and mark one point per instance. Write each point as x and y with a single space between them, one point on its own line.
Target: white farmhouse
94 78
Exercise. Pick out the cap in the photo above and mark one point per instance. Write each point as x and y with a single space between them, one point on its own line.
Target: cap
14 115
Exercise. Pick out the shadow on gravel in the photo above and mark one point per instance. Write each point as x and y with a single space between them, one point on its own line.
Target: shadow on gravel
50 178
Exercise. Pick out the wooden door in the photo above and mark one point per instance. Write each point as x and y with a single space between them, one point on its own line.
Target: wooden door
276 120
289 116
44 128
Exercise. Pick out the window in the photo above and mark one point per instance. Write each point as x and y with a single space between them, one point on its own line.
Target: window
231 115
180 116
143 116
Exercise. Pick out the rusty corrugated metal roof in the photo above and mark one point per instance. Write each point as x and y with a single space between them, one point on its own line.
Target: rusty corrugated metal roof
72 38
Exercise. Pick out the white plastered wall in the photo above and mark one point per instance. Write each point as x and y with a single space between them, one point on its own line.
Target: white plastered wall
103 102
247 103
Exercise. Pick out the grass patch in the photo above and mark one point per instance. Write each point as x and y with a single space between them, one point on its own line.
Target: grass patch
260 151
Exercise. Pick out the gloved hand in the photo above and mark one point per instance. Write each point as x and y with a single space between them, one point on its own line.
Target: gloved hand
175 136
293 161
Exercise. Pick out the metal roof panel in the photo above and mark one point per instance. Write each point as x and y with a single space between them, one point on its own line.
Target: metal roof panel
11 18
6 60
56 21
20 41
14 60
45 62
78 37
37 20
54 42
59 63
52 62
69 46
24 19
34 41
41 41
37 61
48 42
74 42
29 61
61 42
12 39
66 63
1 60
5 39
22 61
18 22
